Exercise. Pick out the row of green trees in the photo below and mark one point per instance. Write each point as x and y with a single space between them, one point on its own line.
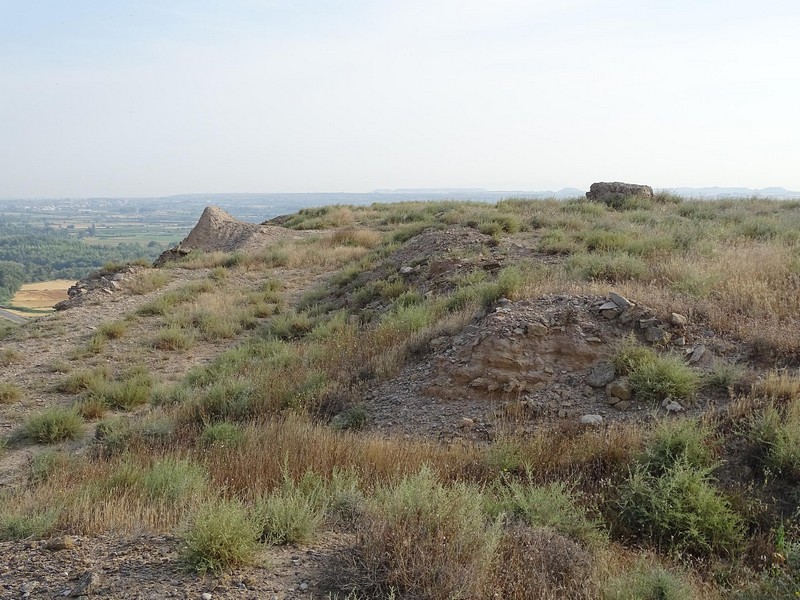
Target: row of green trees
29 254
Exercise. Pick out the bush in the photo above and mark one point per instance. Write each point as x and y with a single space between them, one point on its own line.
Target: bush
220 538
631 355
541 563
293 512
15 526
679 510
607 266
429 539
112 330
553 506
173 339
222 435
53 425
354 418
777 434
174 480
646 582
684 440
9 392
666 376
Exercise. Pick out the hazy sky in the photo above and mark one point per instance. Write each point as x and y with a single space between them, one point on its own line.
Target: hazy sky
157 97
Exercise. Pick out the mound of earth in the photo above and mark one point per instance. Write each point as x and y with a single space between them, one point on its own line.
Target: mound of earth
535 362
218 231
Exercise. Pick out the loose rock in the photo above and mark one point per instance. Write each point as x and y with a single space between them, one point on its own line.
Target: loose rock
621 388
620 301
592 419
87 584
678 319
60 543
601 375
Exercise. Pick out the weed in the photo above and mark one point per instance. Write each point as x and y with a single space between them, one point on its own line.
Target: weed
173 339
221 537
684 440
434 540
648 582
553 506
222 435
293 512
680 510
9 392
53 425
31 525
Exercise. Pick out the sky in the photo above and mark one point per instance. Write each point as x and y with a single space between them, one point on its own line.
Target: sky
160 97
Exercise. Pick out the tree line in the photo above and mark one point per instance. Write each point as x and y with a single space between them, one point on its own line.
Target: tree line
29 254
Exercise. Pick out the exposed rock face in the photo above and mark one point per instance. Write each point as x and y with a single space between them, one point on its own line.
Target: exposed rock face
598 192
98 283
218 231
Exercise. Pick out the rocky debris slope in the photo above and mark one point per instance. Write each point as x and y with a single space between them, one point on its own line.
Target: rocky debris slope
599 192
97 285
534 362
218 231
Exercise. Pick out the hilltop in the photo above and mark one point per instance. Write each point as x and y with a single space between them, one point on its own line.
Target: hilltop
530 399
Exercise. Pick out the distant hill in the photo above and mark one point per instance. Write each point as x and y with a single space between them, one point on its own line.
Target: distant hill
734 192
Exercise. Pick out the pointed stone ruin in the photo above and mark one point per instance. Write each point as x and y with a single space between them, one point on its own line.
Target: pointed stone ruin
218 231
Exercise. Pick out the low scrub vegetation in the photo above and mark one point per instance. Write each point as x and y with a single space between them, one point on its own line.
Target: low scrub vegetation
269 436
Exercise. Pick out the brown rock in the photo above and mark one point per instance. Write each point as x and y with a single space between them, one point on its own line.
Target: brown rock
63 542
604 191
678 319
621 388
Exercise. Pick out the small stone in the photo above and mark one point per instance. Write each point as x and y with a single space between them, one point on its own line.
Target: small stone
303 586
537 329
518 331
562 413
592 419
114 286
656 335
678 319
620 301
594 340
621 388
648 323
63 542
609 306
697 354
623 405
87 584
610 313
601 375
466 423
207 596
680 341
673 407
588 390
406 270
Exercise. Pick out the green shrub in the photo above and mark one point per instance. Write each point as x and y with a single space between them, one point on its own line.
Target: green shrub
429 539
173 338
777 434
684 440
354 418
9 392
222 435
553 506
646 582
723 376
174 480
53 425
131 390
667 376
80 381
607 266
220 538
293 512
679 510
16 526
631 355
112 330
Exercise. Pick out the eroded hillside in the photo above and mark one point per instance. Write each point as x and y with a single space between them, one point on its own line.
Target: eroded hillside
424 400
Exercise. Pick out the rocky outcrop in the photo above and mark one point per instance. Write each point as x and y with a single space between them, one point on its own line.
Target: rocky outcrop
99 283
601 191
218 231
